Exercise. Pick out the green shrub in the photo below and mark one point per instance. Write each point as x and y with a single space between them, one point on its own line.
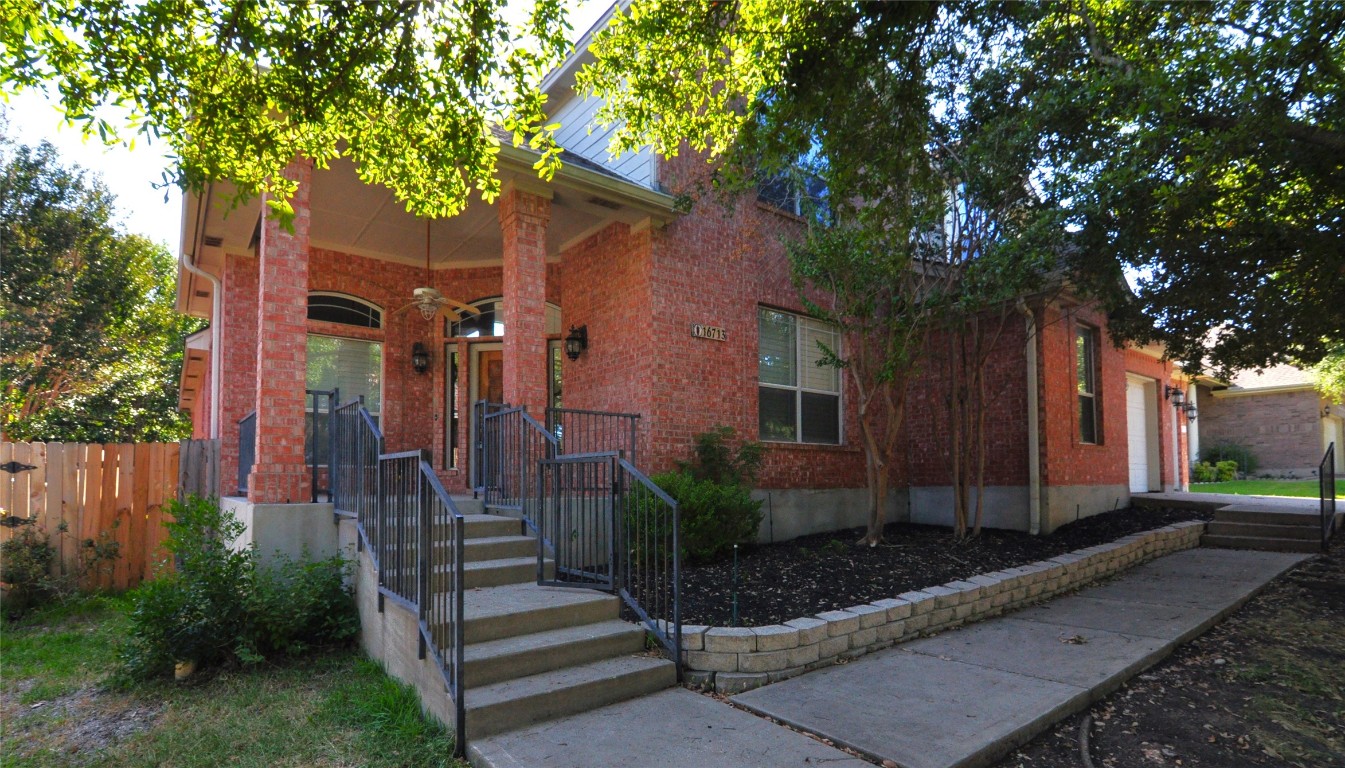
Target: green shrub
1204 472
1241 456
714 516
222 606
715 459
25 565
1226 470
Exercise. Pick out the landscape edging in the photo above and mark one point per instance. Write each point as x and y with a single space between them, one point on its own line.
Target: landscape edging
731 660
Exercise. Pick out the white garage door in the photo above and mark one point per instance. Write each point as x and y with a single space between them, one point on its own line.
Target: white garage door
1137 432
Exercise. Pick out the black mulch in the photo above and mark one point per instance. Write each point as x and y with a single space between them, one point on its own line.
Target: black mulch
824 572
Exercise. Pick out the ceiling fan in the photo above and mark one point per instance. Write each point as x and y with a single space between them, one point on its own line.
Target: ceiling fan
428 300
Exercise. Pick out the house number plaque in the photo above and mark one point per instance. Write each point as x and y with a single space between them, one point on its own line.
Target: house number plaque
708 332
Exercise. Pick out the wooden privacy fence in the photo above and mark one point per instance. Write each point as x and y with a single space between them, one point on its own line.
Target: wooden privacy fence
102 494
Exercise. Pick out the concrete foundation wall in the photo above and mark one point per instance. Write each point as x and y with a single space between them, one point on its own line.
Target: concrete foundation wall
793 512
1065 504
1005 506
392 637
287 529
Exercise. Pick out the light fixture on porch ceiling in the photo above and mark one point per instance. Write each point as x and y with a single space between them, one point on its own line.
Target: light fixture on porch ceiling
576 342
428 300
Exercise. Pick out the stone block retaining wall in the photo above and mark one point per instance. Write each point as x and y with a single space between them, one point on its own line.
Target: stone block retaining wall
736 659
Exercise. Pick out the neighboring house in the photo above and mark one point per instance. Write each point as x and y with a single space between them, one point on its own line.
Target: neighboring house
691 321
1277 414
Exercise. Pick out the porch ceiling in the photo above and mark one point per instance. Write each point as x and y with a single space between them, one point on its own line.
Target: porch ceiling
351 216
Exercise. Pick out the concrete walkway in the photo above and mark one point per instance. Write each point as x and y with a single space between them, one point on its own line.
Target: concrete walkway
1212 501
967 697
962 698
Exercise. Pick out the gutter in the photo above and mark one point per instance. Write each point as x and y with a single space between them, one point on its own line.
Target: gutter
189 264
1033 424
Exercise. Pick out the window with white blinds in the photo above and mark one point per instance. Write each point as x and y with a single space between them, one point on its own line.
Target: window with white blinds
353 366
799 399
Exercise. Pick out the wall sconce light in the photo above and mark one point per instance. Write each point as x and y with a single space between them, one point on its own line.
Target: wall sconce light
1175 394
420 358
1190 409
576 342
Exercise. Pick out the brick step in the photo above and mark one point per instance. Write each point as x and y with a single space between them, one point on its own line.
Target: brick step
1260 530
523 655
524 701
512 570
498 548
1261 543
522 609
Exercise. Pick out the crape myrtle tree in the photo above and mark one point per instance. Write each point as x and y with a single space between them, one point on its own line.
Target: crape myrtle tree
92 339
930 217
240 88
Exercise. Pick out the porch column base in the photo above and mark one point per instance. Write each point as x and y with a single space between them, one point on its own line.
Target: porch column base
280 485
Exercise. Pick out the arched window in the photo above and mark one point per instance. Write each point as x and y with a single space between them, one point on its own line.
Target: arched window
491 320
343 309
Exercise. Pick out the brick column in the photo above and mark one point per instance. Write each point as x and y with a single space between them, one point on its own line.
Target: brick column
280 474
523 221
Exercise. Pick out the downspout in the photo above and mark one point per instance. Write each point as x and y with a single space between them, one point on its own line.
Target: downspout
1033 426
215 304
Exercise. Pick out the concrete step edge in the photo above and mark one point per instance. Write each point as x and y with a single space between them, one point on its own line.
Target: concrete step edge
529 700
583 607
1261 543
525 655
1263 530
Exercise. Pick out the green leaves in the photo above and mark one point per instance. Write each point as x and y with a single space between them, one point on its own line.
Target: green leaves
408 90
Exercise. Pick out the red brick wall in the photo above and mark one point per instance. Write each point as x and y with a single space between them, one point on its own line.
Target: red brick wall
1162 372
523 221
1282 429
928 421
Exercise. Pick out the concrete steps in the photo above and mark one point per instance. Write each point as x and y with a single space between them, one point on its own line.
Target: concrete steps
510 704
534 653
1269 530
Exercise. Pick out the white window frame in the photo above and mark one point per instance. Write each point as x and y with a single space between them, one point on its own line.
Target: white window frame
797 388
1088 332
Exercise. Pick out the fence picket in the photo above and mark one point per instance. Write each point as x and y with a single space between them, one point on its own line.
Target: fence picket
125 495
37 488
55 471
23 453
93 496
71 493
107 505
139 506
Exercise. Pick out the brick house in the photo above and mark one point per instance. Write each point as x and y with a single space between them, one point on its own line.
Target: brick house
1277 414
691 322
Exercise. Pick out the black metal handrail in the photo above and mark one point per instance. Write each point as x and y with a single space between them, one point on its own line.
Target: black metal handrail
247 450
608 526
1326 487
480 409
414 535
580 431
319 412
513 443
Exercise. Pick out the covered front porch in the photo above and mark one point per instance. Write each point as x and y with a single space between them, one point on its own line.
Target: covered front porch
330 305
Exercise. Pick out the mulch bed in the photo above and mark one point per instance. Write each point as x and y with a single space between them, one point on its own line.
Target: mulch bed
825 572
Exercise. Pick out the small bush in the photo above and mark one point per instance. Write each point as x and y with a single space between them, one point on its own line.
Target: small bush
1241 456
25 565
222 606
1204 472
1226 470
714 516
715 459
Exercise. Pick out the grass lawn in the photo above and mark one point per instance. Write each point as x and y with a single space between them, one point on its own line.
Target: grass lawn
59 705
1306 488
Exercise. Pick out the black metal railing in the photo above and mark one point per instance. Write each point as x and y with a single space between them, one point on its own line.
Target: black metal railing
357 444
1326 487
319 411
414 535
513 443
247 450
579 431
480 409
608 526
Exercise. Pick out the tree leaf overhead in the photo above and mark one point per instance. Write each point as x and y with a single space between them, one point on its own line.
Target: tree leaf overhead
239 88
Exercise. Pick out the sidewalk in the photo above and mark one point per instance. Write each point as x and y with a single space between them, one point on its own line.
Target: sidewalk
962 698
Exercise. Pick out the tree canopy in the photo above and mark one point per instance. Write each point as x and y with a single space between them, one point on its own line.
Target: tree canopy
240 88
1196 147
93 342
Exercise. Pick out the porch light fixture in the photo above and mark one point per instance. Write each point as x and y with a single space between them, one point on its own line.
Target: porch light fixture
420 358
576 342
1176 395
1190 409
